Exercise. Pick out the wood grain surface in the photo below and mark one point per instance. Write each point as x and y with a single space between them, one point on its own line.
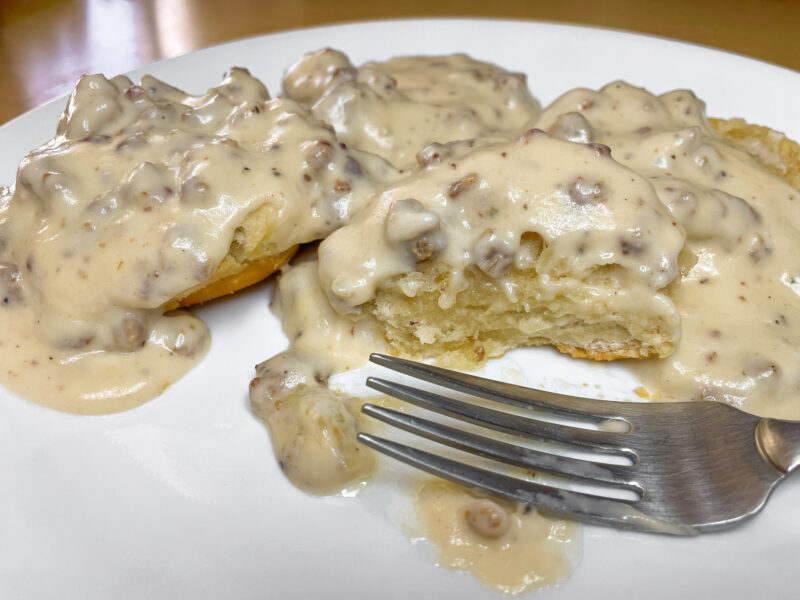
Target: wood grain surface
46 44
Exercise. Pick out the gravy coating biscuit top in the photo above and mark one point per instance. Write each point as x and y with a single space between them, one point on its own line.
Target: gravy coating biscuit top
395 108
141 196
740 302
565 213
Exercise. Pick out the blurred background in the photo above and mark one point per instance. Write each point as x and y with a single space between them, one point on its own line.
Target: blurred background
46 44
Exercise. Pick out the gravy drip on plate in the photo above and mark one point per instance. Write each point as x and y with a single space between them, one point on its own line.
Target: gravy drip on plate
395 108
740 302
313 428
139 197
510 549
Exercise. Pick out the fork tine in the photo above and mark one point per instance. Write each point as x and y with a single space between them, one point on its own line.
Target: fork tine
562 503
592 411
571 468
597 441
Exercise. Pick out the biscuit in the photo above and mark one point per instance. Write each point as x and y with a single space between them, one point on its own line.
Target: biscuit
531 242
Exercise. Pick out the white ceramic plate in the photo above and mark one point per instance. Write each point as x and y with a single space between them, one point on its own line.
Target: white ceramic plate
182 498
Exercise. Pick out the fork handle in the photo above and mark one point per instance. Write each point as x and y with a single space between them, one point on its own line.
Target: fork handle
779 443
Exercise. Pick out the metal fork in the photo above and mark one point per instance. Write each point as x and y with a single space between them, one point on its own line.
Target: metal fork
695 466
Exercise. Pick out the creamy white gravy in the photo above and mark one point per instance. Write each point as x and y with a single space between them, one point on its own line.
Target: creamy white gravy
740 302
397 107
139 197
510 549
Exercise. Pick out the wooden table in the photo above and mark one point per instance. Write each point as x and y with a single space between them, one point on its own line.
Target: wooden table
46 44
